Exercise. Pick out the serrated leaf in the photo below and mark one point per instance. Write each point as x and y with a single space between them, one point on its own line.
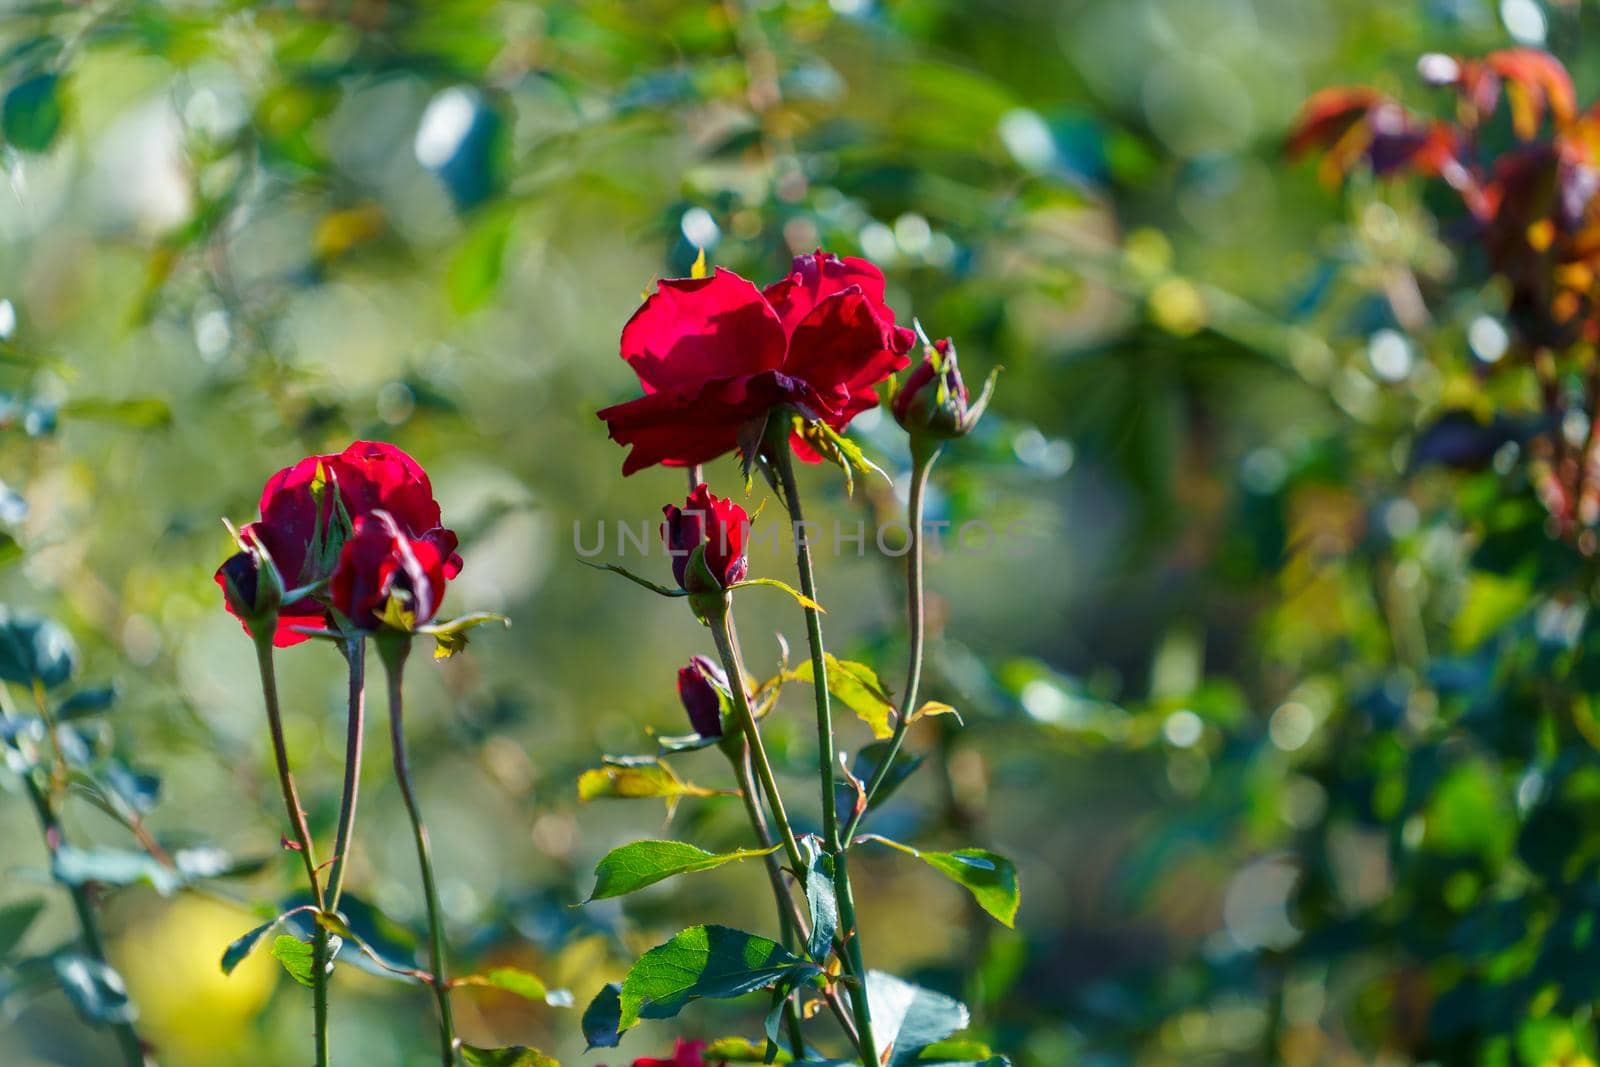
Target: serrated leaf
515 1056
705 961
858 688
94 988
988 876
641 863
15 919
295 955
602 1019
907 1018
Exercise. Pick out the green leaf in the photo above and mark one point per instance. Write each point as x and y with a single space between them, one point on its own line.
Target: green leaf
15 918
933 707
705 961
33 648
800 598
450 637
295 955
821 900
240 947
514 980
858 688
990 877
515 1056
642 863
94 988
10 549
86 702
955 1051
479 260
635 777
602 1019
907 1018
32 114
139 413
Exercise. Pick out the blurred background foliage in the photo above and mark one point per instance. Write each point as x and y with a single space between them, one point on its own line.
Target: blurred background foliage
1292 743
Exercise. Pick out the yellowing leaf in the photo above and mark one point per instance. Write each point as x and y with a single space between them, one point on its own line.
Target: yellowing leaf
858 688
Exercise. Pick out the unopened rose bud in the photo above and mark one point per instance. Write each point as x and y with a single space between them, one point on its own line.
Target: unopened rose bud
701 687
933 403
706 540
252 586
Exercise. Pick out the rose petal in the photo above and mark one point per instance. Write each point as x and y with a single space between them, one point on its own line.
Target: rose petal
693 329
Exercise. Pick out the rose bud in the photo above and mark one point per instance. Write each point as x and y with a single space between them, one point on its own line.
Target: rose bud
701 687
386 578
933 401
251 587
706 539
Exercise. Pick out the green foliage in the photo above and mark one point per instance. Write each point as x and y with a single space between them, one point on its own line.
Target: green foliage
15 919
908 1018
296 957
705 961
641 863
32 113
858 687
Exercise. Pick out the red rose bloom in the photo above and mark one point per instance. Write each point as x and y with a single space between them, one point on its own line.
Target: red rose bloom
685 1054
715 353
303 523
720 525
380 563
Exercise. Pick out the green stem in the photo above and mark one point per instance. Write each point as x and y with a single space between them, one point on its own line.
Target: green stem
320 944
356 655
922 464
722 632
778 454
789 919
727 639
393 649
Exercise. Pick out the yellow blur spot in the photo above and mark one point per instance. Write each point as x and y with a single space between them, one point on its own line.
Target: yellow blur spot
1147 252
189 1009
699 270
342 231
1541 235
1177 307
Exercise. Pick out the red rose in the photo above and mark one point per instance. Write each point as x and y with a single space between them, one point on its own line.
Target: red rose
303 523
716 353
685 1054
700 688
721 526
380 563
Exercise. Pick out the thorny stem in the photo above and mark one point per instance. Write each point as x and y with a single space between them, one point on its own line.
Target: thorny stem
320 943
394 650
128 1042
922 464
783 465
